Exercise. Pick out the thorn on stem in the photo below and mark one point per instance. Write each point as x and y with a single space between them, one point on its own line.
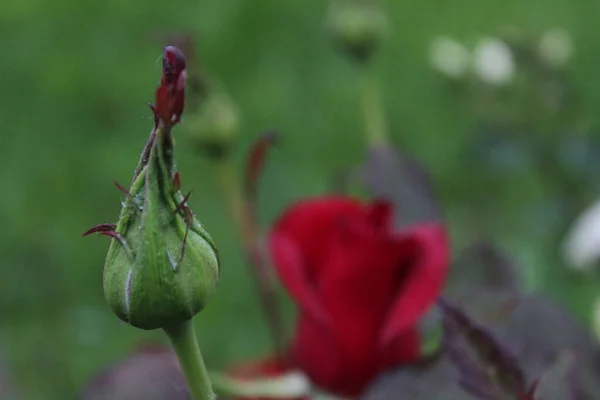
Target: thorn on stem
182 206
114 235
188 222
100 228
186 214
122 189
187 218
109 230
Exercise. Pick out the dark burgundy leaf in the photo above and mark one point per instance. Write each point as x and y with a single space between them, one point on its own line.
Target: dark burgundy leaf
487 368
540 331
484 282
396 177
485 264
438 380
151 373
557 382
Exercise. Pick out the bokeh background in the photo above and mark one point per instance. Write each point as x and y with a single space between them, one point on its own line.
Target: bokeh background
514 163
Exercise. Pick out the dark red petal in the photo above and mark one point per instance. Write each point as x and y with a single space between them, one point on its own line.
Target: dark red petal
287 257
174 63
163 106
178 98
310 223
316 354
424 283
405 349
380 213
357 287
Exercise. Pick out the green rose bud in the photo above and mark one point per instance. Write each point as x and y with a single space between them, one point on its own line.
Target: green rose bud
162 267
165 268
357 26
213 128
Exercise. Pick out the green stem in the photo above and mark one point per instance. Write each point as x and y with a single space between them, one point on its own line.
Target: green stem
376 127
249 232
233 193
183 339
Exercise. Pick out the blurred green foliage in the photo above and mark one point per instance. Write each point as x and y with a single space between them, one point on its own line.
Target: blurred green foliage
75 76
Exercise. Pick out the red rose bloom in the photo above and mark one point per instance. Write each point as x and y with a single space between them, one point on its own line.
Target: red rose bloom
360 287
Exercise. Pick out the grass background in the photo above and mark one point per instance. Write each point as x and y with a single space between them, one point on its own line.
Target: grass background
74 79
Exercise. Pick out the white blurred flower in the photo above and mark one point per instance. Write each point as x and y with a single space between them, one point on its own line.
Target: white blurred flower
449 57
493 61
555 47
581 248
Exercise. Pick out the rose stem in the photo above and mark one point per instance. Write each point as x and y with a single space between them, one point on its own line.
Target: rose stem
376 128
243 216
183 339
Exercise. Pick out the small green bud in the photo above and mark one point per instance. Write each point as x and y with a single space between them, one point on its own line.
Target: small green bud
163 266
213 128
357 26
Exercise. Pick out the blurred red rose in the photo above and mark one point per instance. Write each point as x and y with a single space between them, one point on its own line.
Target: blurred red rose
269 367
361 287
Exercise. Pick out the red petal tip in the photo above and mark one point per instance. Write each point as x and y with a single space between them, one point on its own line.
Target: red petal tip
174 64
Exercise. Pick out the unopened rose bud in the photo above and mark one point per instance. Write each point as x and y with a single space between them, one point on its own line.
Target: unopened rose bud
357 26
214 127
162 266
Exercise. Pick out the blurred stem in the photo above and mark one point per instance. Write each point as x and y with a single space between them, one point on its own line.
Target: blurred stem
183 339
243 217
233 192
376 127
